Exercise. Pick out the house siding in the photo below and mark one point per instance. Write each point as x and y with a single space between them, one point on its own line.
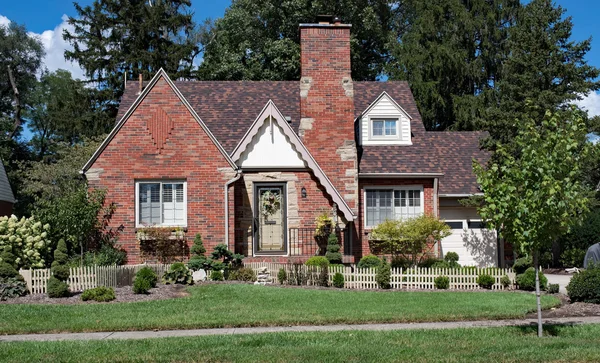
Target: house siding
161 140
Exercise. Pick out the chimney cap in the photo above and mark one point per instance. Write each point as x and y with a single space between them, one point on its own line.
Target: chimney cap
326 21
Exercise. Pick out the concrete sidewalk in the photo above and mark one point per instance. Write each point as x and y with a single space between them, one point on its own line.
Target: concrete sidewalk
304 328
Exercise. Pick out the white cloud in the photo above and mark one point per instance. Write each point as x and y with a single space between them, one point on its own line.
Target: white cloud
590 103
4 20
55 47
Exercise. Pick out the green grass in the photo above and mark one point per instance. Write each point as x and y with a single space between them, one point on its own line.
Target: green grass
238 305
567 344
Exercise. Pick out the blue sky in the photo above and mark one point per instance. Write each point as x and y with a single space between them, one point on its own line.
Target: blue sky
47 19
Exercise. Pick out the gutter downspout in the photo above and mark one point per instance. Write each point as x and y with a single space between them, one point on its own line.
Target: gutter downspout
238 175
436 212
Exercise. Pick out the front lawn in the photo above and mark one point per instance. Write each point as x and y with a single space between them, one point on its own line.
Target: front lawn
240 305
567 344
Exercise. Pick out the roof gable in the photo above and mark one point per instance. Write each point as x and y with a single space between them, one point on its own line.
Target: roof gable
132 107
271 113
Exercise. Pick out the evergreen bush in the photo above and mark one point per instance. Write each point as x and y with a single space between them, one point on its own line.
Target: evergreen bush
384 276
333 249
522 264
100 294
553 288
141 286
57 284
505 281
585 286
216 275
486 281
442 282
338 280
317 261
369 261
526 280
148 274
282 276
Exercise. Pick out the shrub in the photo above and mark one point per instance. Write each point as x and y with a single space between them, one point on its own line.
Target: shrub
574 244
441 264
553 288
12 287
141 286
505 281
383 276
573 257
7 269
400 262
429 262
442 282
526 280
585 286
57 284
333 249
323 276
317 261
57 288
109 255
27 240
451 257
369 261
159 243
216 275
100 294
486 281
245 274
522 264
178 274
148 274
338 280
282 276
199 261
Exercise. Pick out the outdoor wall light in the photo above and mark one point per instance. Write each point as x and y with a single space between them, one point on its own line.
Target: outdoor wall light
303 192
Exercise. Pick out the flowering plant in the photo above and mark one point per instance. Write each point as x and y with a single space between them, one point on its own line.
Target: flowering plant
27 238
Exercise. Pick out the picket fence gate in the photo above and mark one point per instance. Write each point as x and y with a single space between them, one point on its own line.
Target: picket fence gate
89 277
409 279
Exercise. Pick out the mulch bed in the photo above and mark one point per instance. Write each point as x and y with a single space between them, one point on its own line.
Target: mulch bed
123 294
568 309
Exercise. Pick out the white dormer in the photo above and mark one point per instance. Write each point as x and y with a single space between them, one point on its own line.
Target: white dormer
385 123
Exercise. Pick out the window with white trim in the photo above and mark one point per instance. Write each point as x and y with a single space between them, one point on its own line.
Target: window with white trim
161 203
392 203
385 128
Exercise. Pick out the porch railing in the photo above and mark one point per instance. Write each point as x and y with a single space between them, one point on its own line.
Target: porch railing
300 242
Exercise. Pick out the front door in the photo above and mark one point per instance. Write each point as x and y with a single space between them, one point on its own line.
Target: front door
270 237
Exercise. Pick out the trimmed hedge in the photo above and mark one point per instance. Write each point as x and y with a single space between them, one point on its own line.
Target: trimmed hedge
369 261
585 286
526 281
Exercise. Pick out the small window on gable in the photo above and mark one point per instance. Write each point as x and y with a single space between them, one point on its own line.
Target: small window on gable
384 128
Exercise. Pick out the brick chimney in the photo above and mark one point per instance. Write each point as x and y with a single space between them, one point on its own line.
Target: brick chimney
327 103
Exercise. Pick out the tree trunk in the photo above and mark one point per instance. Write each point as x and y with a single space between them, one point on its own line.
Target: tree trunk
536 265
17 101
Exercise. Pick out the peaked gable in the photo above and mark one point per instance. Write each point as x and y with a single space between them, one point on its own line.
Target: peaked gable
271 114
385 108
159 134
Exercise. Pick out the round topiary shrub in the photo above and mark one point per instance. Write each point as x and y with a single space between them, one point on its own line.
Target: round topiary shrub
369 261
451 257
485 281
245 274
338 280
148 274
57 288
585 286
141 286
57 284
317 261
442 282
522 264
100 294
526 280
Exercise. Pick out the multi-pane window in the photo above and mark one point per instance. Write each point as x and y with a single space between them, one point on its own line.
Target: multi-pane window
392 203
161 203
385 128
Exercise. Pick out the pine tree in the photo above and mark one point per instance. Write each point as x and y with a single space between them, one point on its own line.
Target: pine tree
333 249
112 37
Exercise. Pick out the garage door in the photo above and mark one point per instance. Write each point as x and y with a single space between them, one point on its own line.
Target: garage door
475 245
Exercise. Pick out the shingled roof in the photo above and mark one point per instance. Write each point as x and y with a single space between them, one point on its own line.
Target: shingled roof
229 108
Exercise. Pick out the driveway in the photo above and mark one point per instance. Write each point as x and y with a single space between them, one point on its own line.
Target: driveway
561 280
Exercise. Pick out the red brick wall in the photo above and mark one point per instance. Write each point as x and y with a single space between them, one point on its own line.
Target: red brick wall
188 153
325 64
427 198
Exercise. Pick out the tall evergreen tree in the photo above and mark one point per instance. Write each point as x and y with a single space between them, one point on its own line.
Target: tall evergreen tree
112 37
546 70
259 40
450 52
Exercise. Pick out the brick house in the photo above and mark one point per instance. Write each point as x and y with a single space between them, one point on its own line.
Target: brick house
253 164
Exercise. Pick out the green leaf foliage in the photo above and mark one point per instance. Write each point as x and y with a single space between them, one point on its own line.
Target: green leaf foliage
178 274
333 253
442 282
148 274
11 287
100 294
383 276
57 288
317 261
585 286
526 280
369 261
338 280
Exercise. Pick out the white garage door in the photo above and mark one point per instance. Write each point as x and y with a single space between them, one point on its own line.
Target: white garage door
475 245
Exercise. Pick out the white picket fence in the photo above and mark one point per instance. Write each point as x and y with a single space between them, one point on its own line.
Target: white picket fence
88 277
412 278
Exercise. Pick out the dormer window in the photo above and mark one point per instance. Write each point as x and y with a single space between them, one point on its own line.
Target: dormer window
384 122
384 128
